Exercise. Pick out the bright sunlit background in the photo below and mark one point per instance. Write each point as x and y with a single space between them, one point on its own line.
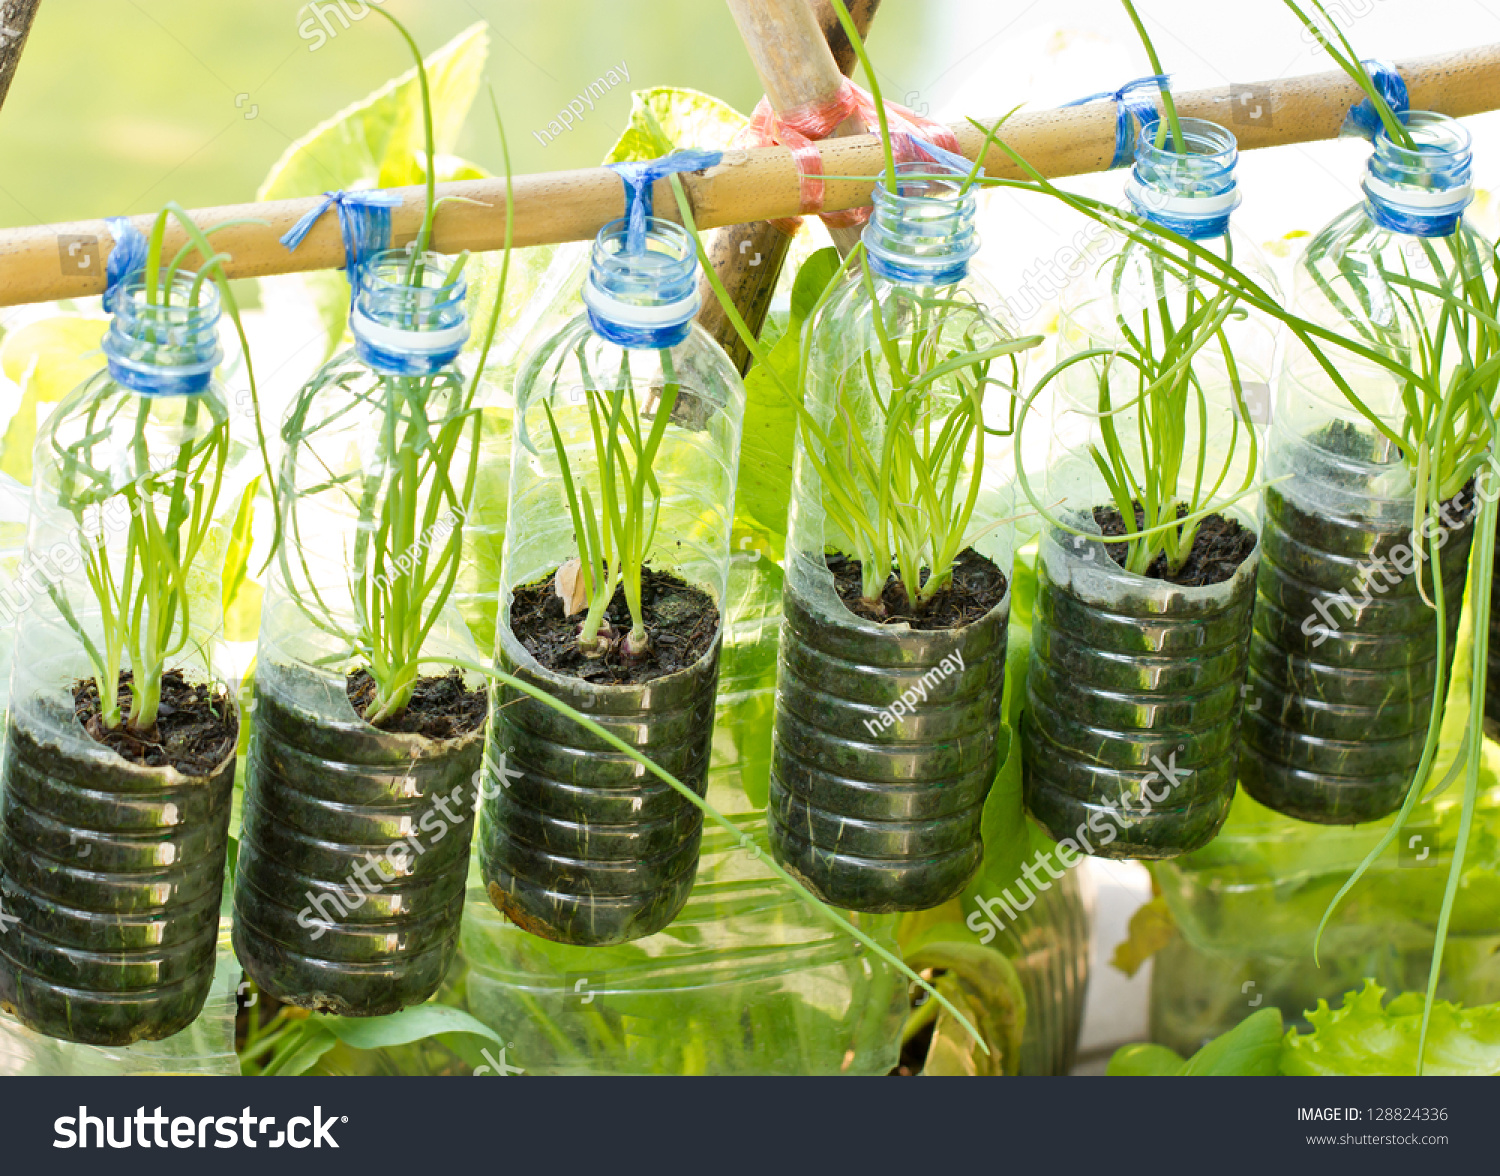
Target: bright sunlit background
120 105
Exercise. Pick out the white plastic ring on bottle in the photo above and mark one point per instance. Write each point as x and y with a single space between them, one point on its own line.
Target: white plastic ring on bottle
1192 206
1419 199
628 314
395 340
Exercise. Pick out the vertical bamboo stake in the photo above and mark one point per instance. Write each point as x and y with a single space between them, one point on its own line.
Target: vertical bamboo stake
748 258
15 24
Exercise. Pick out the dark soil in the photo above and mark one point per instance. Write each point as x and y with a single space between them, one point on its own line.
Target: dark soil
196 724
978 585
680 620
441 706
1219 548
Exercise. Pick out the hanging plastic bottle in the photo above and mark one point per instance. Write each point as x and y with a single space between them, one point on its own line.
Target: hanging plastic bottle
1143 611
616 561
359 795
896 599
1344 665
119 759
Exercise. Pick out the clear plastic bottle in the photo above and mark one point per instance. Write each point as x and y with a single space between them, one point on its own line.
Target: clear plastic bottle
359 794
1344 668
1135 670
114 866
204 1048
577 842
746 979
887 728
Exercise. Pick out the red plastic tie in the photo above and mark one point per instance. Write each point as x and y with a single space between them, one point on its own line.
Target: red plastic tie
802 127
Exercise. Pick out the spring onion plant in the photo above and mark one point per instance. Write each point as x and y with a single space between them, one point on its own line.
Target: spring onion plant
614 538
143 587
420 481
908 505
1449 369
1152 372
1447 372
904 504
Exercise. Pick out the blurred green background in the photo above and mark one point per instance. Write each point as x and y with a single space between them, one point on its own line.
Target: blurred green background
120 105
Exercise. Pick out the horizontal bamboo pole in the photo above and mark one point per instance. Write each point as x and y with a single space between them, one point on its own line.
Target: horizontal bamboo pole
47 262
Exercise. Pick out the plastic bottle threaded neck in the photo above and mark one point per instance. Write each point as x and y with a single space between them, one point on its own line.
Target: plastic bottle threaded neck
407 318
1422 190
167 349
1188 187
648 298
922 232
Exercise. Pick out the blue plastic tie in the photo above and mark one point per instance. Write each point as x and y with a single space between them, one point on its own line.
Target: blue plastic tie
364 221
1130 109
638 178
127 256
1362 119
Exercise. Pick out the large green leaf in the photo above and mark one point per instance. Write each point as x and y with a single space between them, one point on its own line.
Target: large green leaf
413 1024
1144 1060
47 359
1009 841
378 142
306 1044
764 487
984 984
1251 1049
664 119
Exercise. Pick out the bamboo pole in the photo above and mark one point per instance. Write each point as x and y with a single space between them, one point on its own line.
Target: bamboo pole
795 66
746 185
791 43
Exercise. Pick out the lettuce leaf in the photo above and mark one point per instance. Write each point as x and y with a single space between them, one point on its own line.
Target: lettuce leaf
1364 1038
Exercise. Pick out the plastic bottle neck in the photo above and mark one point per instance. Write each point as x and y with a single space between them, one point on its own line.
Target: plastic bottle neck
1192 190
922 233
167 349
647 299
407 319
1421 190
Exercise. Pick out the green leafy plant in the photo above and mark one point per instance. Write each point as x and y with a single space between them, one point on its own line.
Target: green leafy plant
1362 1037
907 508
143 587
613 541
1253 1048
293 1040
1159 353
423 476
